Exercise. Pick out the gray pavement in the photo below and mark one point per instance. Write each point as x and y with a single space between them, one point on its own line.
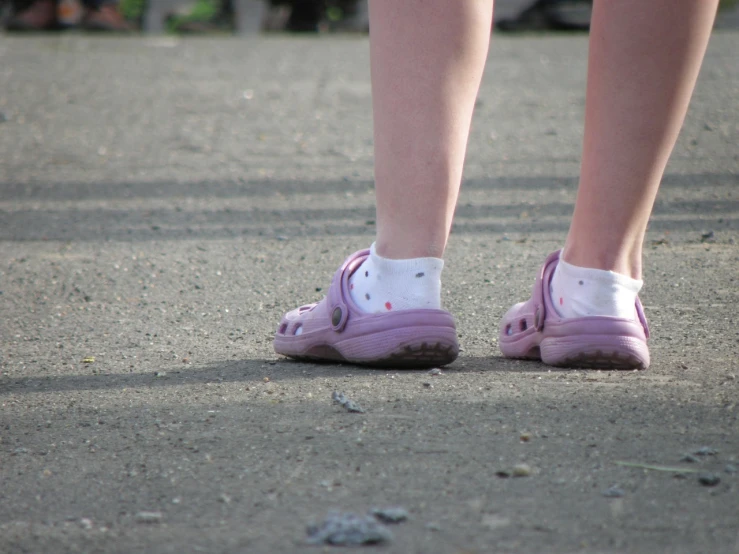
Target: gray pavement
164 201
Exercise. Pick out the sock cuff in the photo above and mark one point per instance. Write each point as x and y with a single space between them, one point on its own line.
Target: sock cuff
601 276
404 267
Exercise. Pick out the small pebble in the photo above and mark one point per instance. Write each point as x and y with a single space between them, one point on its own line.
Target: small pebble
730 469
521 470
433 526
390 515
225 499
525 437
428 385
348 404
613 492
348 529
266 379
708 479
149 517
435 371
689 458
706 451
86 523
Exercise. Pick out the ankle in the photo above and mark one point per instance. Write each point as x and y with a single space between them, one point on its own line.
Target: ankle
389 247
622 261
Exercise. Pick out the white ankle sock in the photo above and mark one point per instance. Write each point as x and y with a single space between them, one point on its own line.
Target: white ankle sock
581 291
381 285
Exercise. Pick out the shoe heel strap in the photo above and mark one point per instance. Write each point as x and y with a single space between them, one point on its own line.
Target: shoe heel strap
338 309
539 293
642 317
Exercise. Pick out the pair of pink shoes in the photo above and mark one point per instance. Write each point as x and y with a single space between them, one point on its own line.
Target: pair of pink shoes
334 329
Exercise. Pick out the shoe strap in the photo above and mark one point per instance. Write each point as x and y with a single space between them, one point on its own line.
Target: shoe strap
539 293
338 305
642 317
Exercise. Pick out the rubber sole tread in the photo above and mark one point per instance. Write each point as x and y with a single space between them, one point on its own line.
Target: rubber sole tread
602 360
420 356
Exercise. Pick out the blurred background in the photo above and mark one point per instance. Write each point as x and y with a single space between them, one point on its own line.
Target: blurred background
250 16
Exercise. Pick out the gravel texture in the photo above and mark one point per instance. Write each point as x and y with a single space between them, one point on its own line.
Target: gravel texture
164 201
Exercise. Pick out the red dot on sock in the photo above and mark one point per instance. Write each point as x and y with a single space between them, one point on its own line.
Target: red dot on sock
388 305
561 301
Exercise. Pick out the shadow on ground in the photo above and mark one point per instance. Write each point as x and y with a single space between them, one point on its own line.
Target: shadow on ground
250 371
143 222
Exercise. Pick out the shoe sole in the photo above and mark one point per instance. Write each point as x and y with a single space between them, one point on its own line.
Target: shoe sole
413 353
590 352
600 359
422 356
594 351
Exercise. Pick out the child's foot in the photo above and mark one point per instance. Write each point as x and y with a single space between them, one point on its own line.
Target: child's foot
382 285
402 325
578 317
582 291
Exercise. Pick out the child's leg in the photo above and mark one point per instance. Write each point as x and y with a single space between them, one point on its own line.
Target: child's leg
427 62
383 306
643 64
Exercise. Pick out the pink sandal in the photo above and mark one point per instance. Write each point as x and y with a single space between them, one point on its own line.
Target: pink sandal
533 330
335 329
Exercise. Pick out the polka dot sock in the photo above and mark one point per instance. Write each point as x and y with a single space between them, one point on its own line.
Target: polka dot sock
381 285
582 291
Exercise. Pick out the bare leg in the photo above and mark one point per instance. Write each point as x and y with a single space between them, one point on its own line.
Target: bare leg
427 59
643 64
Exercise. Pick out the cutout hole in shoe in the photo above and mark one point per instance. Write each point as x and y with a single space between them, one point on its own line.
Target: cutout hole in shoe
282 329
304 309
298 330
523 325
509 329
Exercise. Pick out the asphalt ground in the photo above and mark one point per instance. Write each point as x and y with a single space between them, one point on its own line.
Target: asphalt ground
164 201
